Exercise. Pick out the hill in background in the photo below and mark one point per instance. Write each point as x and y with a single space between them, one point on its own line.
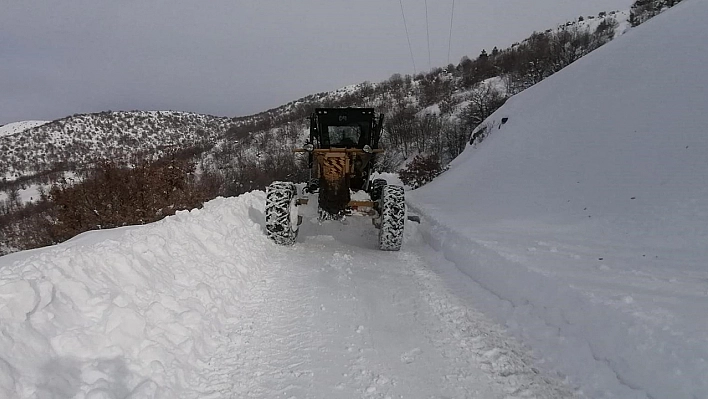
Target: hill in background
431 116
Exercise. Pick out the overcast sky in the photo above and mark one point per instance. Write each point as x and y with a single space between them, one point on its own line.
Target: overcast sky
237 57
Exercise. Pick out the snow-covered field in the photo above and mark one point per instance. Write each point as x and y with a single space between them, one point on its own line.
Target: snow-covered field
585 215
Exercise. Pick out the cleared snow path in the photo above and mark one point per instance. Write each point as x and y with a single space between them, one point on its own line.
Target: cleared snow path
202 305
335 317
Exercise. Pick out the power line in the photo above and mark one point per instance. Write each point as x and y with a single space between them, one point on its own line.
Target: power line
405 25
449 43
427 33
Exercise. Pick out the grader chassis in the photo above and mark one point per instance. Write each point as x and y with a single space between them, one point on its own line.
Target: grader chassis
341 151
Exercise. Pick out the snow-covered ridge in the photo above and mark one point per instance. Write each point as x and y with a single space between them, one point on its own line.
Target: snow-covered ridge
591 22
81 139
17 127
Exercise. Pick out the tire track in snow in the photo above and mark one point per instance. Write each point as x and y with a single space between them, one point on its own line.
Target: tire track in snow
336 318
257 360
485 343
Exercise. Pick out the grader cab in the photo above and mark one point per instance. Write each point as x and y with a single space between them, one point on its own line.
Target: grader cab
341 151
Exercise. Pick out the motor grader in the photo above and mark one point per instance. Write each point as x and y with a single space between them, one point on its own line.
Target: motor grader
341 150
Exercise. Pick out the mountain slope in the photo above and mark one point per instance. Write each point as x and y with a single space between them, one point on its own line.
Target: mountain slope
78 140
590 193
17 127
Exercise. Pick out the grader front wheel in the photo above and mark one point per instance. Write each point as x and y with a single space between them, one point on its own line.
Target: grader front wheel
393 217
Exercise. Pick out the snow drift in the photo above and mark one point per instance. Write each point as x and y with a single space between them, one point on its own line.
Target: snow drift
130 312
584 214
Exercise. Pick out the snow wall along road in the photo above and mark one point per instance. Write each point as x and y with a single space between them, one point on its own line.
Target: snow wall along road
585 214
121 312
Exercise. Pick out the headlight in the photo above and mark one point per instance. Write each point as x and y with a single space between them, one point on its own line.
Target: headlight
367 149
309 147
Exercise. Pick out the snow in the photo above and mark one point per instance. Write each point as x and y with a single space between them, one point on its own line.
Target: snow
360 195
127 312
584 216
80 139
28 194
391 178
17 127
591 23
202 305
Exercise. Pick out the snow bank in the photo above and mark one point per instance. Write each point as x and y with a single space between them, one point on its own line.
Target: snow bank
584 214
604 351
128 313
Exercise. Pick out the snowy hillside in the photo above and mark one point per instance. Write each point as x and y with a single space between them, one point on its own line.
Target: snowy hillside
584 214
81 139
17 127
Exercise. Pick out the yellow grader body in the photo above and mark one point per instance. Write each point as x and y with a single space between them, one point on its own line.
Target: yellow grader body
341 151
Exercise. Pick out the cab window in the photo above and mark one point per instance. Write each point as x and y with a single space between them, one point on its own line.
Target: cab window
344 136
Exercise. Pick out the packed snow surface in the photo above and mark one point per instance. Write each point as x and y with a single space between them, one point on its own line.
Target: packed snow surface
584 213
202 305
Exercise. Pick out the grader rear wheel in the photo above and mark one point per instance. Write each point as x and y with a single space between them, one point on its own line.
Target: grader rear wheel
393 217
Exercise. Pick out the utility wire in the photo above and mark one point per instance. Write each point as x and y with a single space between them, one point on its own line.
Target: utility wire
449 43
427 33
405 25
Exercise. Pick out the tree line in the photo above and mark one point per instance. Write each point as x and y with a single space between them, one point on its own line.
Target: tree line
644 10
109 195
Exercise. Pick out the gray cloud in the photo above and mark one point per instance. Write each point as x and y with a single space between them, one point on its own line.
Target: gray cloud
236 57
